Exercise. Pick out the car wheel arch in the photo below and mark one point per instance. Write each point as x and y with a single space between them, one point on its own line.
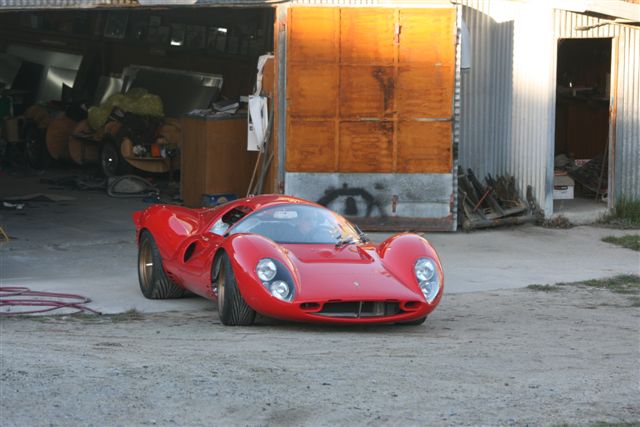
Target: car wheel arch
216 263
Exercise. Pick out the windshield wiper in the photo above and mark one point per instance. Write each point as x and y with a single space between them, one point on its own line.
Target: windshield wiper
349 240
363 237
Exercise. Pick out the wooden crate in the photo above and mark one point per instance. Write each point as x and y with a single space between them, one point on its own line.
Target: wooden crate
214 158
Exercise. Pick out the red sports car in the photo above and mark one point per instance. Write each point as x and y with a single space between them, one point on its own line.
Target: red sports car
286 258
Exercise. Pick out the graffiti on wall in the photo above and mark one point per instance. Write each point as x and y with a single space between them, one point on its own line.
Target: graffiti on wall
352 201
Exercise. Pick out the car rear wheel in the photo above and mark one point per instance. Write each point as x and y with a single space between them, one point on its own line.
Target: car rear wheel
154 282
415 322
232 308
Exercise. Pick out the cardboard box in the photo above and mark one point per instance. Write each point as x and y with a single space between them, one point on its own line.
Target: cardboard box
563 192
563 187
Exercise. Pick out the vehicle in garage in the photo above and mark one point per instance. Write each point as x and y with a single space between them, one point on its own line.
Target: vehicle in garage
286 258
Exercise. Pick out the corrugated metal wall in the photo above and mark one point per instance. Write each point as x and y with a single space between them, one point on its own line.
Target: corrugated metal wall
627 156
486 91
508 96
530 155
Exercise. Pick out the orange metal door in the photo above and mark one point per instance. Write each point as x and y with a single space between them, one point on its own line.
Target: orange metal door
370 90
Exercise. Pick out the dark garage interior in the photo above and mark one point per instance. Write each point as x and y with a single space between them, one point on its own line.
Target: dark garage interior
582 121
95 94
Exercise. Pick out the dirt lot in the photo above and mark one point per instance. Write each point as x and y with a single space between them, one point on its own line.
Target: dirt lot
515 357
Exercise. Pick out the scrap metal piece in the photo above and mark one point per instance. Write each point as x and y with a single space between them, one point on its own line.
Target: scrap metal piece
180 91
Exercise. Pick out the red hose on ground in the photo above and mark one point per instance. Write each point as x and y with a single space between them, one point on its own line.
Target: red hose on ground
25 297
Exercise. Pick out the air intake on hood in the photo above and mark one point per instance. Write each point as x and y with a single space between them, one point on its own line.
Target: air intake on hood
357 309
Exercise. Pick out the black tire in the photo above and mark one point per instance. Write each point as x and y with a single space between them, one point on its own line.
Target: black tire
111 161
154 282
415 322
35 147
232 308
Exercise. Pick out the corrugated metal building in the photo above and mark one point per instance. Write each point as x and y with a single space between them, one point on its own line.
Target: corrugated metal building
510 93
501 111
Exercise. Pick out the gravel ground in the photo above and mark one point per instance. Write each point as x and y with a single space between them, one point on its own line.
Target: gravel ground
515 357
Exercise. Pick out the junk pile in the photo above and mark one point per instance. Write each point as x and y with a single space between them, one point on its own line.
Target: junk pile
137 101
592 176
494 203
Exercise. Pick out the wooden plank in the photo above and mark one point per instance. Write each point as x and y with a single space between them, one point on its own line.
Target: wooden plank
366 147
228 164
367 36
427 36
312 90
424 147
366 91
313 35
425 92
314 147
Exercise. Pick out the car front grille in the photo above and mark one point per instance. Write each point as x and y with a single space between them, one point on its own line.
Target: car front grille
358 309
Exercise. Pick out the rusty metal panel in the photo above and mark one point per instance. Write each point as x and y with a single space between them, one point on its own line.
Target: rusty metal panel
426 62
425 37
367 36
424 146
366 91
314 35
314 148
372 82
425 92
366 147
312 90
392 134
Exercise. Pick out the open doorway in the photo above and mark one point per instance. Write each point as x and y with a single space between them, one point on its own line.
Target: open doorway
581 169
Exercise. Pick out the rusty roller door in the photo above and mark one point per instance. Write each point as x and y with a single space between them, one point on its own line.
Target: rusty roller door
369 111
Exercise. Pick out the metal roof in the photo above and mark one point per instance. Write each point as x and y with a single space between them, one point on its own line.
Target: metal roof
613 8
59 4
86 4
90 4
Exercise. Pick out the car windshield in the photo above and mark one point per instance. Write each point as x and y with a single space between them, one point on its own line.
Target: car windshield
293 223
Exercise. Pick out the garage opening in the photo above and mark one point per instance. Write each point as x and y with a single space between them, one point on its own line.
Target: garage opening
157 92
582 128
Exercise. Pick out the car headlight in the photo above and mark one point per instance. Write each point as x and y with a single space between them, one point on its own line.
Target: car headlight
266 269
428 278
281 290
276 278
425 269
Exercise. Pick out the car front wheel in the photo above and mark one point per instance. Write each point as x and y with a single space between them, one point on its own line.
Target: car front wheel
232 308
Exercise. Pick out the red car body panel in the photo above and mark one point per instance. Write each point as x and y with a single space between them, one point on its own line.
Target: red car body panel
322 273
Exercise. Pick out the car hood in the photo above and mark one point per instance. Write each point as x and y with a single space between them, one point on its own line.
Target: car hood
353 272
